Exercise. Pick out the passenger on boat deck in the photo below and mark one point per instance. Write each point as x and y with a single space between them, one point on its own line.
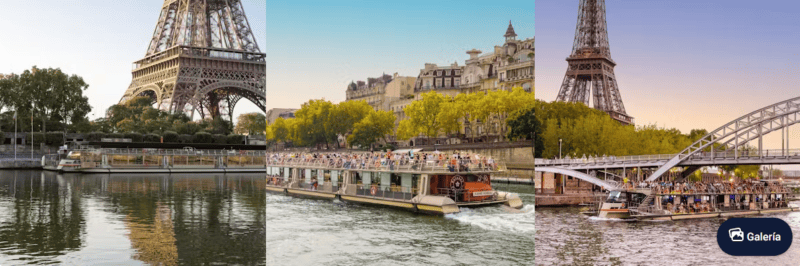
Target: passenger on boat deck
314 184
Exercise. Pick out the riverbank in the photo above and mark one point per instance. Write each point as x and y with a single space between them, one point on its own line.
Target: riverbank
20 164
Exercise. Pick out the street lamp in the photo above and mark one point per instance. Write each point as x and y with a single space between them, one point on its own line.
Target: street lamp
559 149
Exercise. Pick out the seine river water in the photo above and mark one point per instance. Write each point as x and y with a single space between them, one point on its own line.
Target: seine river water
325 232
64 219
566 237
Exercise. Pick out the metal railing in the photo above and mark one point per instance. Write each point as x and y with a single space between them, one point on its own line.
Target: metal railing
382 164
665 157
189 152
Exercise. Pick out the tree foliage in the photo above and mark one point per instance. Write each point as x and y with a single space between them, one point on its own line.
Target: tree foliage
53 98
586 131
320 122
376 125
251 124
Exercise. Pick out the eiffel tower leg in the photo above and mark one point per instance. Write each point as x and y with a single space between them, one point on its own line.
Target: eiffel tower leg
580 94
600 95
567 88
616 98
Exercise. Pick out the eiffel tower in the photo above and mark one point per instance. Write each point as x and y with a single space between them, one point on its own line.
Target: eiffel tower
590 65
202 59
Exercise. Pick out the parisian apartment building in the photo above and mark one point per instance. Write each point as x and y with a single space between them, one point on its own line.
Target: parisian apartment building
506 66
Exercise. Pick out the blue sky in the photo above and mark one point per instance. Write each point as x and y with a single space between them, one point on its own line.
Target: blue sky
685 64
95 39
317 47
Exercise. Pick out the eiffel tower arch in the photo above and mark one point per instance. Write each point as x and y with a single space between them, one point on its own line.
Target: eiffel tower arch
590 71
202 59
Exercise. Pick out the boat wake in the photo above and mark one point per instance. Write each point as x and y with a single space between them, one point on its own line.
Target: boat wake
498 218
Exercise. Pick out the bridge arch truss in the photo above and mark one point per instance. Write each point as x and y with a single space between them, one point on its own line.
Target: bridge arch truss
737 134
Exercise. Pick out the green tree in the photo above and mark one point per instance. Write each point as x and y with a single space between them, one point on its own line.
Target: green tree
423 115
524 125
344 115
312 123
374 126
279 130
251 124
49 95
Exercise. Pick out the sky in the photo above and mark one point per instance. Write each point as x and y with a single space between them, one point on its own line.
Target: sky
685 64
316 48
96 39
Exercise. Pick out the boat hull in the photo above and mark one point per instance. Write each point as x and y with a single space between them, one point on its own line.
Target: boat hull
675 217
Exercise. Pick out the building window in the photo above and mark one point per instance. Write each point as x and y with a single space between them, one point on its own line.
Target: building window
438 83
447 83
438 72
457 82
458 72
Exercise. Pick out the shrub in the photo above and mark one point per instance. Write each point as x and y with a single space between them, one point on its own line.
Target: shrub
95 136
36 137
55 138
219 139
170 136
151 138
184 138
202 137
135 137
235 139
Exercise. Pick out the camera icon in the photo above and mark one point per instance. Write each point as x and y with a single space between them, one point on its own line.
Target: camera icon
736 234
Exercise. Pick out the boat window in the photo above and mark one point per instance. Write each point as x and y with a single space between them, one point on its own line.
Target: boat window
472 178
366 178
616 196
357 177
406 182
414 180
385 181
313 173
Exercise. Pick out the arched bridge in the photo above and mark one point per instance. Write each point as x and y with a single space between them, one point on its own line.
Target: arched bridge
729 144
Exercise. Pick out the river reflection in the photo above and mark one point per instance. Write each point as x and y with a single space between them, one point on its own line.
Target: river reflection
566 237
49 218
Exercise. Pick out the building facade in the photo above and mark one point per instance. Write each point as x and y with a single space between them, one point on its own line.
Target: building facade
274 113
509 65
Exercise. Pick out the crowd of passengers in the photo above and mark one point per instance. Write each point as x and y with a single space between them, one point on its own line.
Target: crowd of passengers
757 202
461 162
709 187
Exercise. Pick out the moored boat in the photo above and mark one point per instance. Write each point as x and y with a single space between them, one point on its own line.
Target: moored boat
150 160
694 200
434 183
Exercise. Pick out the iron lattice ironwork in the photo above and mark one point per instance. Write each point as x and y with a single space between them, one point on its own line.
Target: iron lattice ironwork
590 68
202 59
